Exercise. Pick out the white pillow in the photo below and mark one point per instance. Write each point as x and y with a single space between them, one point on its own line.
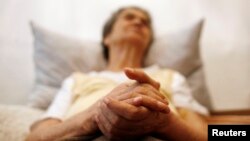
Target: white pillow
178 50
57 56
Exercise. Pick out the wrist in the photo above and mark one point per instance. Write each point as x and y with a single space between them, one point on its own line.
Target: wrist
88 125
165 129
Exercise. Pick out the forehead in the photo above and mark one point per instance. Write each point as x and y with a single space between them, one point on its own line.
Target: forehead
135 12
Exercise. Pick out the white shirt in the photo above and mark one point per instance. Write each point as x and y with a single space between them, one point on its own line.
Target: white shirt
181 96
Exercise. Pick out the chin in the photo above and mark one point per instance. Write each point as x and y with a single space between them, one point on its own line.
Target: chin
136 40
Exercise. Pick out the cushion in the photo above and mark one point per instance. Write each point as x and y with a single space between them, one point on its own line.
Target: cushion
178 51
56 56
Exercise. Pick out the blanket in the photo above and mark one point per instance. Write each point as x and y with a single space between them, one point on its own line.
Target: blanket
15 121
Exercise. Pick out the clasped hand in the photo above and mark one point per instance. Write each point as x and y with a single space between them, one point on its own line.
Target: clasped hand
132 109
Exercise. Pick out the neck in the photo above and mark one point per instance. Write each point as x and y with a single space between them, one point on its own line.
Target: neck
124 56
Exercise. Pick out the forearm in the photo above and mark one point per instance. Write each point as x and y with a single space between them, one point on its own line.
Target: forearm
180 130
52 129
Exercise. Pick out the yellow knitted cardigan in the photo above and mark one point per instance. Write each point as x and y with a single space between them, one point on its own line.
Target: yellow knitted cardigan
88 89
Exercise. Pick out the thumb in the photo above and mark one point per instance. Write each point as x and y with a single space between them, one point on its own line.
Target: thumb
141 77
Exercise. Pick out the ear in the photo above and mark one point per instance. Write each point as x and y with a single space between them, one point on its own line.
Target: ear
107 41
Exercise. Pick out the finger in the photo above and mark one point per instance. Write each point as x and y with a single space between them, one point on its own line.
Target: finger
149 92
146 89
130 95
154 96
120 89
99 122
125 110
111 131
141 77
144 126
156 91
149 103
104 123
124 127
105 126
115 120
137 94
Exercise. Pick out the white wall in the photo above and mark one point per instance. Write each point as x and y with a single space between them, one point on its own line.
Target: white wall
225 42
226 51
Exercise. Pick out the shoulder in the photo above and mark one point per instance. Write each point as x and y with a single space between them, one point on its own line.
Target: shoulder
71 79
77 74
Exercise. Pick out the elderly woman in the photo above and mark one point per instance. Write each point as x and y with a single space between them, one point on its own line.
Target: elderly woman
143 102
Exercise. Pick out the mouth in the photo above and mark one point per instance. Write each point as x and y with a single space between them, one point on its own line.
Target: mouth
136 30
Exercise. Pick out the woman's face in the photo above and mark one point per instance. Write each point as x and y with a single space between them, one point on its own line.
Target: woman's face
132 26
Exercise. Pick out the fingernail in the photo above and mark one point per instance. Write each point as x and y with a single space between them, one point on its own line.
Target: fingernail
164 107
96 118
161 104
165 101
137 100
129 69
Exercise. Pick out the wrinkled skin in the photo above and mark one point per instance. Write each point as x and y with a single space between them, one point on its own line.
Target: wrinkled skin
132 109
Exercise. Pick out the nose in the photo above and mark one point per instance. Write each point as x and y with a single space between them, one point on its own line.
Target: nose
138 22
